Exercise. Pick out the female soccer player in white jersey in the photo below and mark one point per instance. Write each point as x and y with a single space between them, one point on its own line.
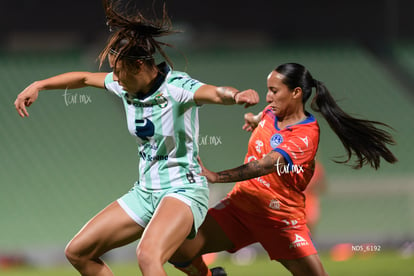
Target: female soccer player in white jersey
169 201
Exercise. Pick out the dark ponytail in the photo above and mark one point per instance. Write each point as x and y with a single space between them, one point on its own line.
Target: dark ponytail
359 137
133 35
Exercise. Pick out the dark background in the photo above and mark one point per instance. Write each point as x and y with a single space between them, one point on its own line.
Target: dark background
352 19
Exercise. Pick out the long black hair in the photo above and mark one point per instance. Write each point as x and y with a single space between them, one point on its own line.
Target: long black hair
359 137
133 35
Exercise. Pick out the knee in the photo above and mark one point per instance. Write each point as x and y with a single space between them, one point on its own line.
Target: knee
73 253
148 256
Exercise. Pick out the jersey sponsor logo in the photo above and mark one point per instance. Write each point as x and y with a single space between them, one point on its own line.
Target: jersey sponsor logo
298 242
274 204
151 158
259 145
276 140
136 103
262 181
144 129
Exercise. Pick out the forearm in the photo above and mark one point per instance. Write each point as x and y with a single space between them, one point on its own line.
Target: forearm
227 95
243 172
209 94
268 164
247 171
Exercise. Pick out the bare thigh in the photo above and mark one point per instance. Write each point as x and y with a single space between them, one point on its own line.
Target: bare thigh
110 228
171 224
306 266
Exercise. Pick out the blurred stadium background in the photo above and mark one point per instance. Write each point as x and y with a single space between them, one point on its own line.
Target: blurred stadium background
73 155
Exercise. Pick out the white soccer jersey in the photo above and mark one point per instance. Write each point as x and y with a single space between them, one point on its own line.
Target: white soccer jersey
165 123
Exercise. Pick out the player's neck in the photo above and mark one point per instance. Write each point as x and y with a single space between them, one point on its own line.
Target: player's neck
147 77
290 119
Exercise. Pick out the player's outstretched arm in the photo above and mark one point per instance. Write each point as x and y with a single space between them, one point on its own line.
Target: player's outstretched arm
268 164
210 94
69 80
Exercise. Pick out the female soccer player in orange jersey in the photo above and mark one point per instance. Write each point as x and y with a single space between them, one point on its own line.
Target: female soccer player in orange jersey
267 204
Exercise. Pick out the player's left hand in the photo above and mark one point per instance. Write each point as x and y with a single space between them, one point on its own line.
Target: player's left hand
247 98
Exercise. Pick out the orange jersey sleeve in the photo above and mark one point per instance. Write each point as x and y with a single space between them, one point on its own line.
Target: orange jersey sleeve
279 195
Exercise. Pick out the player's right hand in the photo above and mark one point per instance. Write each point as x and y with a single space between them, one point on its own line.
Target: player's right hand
25 99
247 98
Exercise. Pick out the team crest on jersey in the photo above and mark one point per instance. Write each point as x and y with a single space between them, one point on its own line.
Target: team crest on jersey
276 140
161 100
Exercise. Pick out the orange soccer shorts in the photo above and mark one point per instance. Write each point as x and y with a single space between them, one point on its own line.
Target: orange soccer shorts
283 240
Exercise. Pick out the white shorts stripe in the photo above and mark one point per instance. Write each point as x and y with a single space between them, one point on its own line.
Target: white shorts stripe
131 213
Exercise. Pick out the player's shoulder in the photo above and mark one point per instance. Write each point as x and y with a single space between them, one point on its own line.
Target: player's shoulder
113 86
183 80
306 131
310 129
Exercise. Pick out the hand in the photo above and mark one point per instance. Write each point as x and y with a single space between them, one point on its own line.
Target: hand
247 97
26 98
251 121
211 176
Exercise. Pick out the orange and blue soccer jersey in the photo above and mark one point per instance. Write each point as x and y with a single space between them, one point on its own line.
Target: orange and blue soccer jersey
279 196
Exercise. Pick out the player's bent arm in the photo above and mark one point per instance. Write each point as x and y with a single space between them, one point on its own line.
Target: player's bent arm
268 164
210 94
251 121
69 80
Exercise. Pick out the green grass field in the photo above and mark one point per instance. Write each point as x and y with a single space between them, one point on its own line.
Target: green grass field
383 263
